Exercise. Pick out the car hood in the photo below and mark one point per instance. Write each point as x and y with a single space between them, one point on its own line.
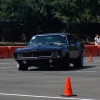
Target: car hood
39 48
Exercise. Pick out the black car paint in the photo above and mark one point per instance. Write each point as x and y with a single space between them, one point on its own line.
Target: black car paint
39 48
39 61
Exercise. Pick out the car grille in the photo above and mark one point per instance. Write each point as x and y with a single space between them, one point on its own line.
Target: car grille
37 54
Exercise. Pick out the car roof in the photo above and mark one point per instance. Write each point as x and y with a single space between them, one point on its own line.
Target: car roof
53 34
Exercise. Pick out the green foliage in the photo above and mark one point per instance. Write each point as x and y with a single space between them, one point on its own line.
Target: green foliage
3 40
38 16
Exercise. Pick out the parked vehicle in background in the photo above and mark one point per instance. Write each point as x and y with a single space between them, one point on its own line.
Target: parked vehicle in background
51 49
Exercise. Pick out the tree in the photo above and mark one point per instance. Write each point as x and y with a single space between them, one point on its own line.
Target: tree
41 16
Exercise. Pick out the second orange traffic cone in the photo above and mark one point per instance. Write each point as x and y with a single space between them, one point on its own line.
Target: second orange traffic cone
90 60
68 88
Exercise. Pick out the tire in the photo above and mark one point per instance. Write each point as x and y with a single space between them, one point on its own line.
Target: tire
78 62
21 67
65 64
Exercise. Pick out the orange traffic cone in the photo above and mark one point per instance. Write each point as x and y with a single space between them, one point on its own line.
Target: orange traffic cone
90 58
68 88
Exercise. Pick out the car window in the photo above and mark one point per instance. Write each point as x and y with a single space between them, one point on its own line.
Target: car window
44 39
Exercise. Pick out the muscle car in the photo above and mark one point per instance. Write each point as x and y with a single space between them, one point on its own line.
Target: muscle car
50 49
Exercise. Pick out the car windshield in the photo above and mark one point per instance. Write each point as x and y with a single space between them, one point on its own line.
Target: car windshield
47 39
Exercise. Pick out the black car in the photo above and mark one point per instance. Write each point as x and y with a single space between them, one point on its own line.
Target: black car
51 49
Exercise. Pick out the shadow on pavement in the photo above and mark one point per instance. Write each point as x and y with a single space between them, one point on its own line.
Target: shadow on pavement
58 69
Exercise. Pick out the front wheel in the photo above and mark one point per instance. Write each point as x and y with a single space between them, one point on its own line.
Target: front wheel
79 62
65 63
21 67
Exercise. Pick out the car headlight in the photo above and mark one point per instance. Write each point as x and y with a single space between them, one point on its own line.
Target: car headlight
19 55
55 53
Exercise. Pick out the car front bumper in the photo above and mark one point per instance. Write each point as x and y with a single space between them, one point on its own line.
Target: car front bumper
39 62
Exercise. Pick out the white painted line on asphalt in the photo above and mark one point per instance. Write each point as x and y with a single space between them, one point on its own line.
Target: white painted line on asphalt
47 97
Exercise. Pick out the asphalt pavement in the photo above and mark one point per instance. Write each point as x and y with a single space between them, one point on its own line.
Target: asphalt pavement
49 84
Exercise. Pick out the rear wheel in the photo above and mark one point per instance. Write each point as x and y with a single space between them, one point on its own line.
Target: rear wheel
21 67
78 62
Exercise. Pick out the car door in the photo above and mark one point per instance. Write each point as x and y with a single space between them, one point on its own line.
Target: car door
73 48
